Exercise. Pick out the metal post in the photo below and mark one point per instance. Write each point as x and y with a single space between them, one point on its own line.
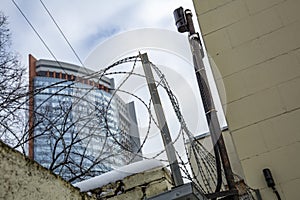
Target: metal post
211 114
162 123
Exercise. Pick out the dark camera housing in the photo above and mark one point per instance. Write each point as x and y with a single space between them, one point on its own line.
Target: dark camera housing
180 20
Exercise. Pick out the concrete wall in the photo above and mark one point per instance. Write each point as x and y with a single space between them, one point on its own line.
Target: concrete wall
24 179
137 186
255 45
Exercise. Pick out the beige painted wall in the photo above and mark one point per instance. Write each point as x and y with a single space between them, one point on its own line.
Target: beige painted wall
255 45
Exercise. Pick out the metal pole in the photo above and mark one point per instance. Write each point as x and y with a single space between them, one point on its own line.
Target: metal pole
162 123
211 114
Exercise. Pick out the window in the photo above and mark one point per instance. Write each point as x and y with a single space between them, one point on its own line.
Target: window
42 73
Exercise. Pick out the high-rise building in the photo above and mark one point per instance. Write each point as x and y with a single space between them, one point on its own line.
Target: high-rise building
78 127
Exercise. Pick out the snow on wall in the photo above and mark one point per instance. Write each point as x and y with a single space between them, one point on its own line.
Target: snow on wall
117 174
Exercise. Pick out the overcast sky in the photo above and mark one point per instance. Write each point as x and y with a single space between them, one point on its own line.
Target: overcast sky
88 24
85 23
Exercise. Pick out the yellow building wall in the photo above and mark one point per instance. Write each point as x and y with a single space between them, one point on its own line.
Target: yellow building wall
255 45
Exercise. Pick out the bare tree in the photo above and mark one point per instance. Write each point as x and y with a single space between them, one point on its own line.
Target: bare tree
74 135
12 89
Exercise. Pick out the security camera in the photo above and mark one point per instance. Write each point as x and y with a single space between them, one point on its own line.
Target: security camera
180 20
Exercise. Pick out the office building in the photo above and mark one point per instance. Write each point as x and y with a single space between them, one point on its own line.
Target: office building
80 128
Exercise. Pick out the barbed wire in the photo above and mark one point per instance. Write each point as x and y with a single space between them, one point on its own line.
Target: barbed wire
204 160
201 170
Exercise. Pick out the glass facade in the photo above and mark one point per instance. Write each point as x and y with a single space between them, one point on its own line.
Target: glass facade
77 131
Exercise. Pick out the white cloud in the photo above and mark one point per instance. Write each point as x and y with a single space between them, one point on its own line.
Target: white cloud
84 22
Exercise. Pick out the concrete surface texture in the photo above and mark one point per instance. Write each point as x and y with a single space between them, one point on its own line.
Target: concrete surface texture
24 179
255 44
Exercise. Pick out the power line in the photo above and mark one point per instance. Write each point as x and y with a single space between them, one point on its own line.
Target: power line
36 32
42 40
61 32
